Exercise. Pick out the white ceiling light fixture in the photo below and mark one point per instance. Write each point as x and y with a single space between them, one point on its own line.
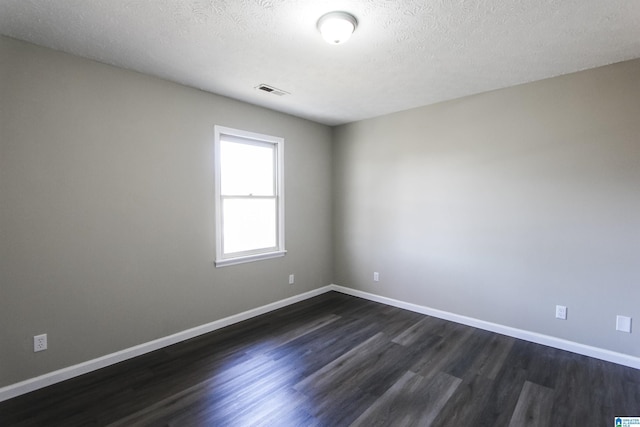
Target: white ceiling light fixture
337 27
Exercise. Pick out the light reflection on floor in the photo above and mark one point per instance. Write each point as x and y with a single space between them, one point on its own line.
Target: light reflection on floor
253 387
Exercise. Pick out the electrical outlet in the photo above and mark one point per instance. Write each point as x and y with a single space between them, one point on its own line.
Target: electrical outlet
561 312
292 279
39 343
623 324
376 276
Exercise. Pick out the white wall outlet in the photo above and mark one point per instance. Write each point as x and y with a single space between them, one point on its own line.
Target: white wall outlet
623 324
376 276
292 279
561 312
39 343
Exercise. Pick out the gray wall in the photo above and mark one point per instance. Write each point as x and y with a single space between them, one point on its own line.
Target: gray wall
502 205
107 233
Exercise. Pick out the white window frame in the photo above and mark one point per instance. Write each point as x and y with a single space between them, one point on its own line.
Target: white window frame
222 259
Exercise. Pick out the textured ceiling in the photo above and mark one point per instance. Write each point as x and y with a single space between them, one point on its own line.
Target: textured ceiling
404 54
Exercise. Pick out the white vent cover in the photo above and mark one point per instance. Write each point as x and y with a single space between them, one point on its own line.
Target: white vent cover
272 90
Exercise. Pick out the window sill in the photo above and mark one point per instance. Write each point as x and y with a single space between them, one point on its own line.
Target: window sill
248 258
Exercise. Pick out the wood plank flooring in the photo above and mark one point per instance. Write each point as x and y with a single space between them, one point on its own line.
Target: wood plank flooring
337 360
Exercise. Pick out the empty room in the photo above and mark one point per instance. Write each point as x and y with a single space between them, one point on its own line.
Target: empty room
319 213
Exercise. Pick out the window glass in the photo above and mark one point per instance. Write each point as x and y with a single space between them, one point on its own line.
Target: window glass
247 168
249 224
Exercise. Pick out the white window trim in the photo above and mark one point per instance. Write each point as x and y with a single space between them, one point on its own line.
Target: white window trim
220 260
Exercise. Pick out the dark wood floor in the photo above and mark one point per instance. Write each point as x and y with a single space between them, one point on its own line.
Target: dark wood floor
336 360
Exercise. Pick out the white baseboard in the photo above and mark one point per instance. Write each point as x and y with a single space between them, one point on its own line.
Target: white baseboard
54 377
559 343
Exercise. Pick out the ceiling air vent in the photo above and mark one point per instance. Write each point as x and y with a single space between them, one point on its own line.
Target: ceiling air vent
272 90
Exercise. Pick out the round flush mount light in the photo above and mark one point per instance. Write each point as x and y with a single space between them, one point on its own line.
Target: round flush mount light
337 27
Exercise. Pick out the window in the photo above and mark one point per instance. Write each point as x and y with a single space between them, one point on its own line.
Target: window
249 196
